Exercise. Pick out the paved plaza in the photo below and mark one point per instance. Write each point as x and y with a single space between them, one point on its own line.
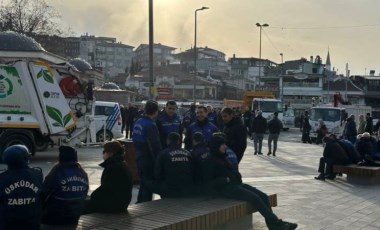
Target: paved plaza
311 203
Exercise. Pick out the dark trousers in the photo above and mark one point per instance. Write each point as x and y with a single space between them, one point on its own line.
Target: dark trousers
255 197
325 166
145 170
273 137
258 141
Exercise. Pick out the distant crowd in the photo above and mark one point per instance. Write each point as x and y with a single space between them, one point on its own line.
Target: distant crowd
359 144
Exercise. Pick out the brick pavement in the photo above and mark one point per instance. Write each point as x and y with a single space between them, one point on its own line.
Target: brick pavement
311 203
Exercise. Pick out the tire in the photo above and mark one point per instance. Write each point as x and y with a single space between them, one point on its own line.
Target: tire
100 136
14 139
41 145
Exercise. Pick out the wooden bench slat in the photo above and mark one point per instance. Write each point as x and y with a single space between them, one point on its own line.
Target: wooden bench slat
359 174
172 214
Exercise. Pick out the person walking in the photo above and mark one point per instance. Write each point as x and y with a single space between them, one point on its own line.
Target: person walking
306 127
20 191
234 128
168 121
274 127
221 180
259 126
115 191
147 143
202 124
65 190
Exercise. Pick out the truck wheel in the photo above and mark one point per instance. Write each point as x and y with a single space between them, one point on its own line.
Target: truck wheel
41 145
101 138
14 139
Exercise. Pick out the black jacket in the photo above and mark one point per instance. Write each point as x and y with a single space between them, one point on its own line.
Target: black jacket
275 126
115 191
259 124
216 169
199 153
173 172
65 190
236 137
336 153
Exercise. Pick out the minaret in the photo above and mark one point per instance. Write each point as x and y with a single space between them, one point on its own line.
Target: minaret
328 62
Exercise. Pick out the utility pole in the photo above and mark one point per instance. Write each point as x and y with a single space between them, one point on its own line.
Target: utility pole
151 44
260 61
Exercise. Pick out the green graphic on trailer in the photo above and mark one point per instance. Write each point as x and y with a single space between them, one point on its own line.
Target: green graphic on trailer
46 75
6 87
58 111
56 115
12 92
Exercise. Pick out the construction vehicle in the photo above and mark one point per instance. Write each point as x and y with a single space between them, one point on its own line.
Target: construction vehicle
247 99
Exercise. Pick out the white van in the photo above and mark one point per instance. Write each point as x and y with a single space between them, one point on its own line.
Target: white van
107 114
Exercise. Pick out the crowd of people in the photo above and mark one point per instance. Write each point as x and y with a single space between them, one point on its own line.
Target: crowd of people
207 164
359 144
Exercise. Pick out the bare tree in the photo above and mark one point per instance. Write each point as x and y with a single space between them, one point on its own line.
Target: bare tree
29 16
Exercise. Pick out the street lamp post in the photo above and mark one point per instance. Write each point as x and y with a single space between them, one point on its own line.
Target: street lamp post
261 27
195 51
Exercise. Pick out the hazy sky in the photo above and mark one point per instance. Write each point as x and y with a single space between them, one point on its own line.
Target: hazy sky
297 28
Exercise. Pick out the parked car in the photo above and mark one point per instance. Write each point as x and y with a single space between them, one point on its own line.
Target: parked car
107 114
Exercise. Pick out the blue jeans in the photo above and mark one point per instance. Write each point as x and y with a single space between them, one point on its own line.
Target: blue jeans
258 141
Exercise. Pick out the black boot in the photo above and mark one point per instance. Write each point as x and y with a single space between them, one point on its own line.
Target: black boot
320 177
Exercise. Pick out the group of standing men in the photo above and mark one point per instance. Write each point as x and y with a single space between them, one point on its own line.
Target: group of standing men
207 164
151 132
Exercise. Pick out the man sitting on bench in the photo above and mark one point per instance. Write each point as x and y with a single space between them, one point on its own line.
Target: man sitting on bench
333 154
222 180
173 170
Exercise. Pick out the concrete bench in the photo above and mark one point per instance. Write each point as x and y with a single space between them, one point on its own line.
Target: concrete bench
359 174
179 213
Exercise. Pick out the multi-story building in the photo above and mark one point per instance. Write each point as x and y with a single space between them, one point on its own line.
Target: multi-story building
162 55
67 47
248 73
106 54
370 84
208 60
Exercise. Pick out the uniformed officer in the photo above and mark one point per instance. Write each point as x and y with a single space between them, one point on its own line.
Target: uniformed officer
65 189
20 191
173 170
146 141
168 121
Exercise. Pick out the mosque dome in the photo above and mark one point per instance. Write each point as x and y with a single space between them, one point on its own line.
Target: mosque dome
13 41
80 64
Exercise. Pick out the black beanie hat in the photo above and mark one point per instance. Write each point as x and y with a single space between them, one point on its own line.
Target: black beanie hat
67 154
216 142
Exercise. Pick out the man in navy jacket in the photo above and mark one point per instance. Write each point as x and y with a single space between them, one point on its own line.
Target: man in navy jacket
20 191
